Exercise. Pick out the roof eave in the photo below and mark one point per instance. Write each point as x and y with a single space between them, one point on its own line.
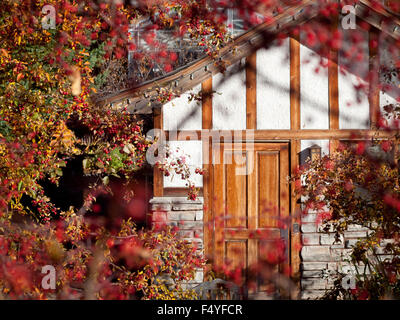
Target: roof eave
143 98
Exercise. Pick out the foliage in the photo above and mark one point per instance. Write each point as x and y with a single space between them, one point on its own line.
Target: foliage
358 185
47 121
46 80
91 263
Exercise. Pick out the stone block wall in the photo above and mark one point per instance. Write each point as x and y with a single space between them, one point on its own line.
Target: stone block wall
321 255
185 214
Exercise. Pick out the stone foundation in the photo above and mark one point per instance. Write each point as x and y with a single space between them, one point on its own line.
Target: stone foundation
187 215
322 256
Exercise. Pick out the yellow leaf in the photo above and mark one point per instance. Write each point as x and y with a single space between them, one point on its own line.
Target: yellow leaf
4 53
75 79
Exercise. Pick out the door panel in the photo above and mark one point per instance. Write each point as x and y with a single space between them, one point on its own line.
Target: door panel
236 201
235 250
268 197
250 197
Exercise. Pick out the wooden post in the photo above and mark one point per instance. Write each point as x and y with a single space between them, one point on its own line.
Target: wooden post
158 182
294 83
208 219
374 63
333 91
206 88
251 91
333 83
294 150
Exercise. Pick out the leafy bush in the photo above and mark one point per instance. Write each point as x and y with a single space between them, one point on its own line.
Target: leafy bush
358 185
90 263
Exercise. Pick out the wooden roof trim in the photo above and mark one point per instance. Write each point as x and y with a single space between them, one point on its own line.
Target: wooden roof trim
378 17
196 72
142 97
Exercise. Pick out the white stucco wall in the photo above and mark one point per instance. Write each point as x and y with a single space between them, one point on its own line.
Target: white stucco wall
182 114
273 87
353 85
387 98
194 150
314 90
229 103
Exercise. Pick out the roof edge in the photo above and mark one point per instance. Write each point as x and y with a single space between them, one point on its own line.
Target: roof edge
143 97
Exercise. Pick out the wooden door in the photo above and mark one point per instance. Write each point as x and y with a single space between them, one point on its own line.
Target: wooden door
250 199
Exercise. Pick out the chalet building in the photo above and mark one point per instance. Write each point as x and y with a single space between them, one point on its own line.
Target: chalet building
271 109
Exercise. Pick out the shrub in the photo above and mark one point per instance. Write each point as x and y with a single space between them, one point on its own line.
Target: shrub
90 263
358 184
